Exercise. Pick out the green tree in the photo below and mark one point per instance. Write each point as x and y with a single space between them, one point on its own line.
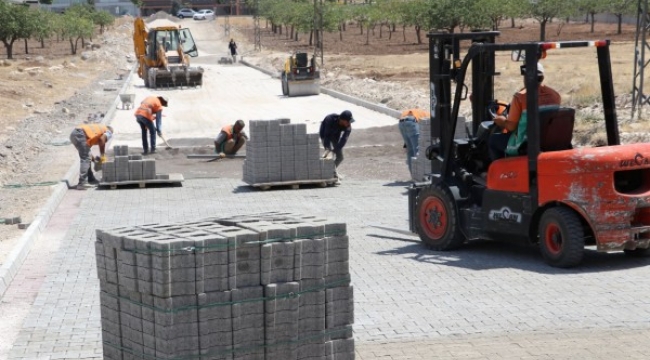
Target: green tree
591 8
620 8
416 14
103 18
545 10
76 29
15 25
44 25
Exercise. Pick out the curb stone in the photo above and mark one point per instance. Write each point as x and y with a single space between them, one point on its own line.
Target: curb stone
17 256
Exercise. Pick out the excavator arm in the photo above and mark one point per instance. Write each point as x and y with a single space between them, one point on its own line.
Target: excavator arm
140 44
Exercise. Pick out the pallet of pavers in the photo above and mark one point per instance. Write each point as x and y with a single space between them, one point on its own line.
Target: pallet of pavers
128 169
269 286
283 154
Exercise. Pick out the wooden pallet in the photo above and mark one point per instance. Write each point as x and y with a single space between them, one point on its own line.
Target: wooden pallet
173 179
295 184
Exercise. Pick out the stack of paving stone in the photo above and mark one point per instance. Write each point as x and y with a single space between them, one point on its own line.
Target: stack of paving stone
420 165
279 151
264 286
127 167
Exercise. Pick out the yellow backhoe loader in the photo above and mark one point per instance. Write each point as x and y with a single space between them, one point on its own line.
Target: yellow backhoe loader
163 50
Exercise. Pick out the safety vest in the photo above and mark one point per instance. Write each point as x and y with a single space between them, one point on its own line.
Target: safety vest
148 107
93 132
418 114
228 129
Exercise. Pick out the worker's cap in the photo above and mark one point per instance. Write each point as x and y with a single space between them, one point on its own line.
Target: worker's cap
540 69
347 115
163 100
240 124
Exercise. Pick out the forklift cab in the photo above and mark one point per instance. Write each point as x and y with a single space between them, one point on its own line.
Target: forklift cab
527 195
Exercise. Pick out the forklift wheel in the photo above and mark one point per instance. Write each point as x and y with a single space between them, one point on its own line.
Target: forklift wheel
437 219
561 237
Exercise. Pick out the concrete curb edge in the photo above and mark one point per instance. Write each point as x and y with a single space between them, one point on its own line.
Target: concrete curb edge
18 254
339 95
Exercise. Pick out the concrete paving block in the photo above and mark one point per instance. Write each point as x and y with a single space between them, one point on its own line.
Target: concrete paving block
337 268
339 293
337 255
175 309
111 351
148 169
311 246
311 346
339 319
215 306
179 347
216 284
341 349
148 311
288 352
309 272
336 241
281 297
135 169
268 230
122 168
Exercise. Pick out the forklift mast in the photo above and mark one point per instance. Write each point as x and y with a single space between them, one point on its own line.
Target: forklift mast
444 63
447 66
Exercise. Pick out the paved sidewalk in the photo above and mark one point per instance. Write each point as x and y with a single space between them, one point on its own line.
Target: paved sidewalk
486 301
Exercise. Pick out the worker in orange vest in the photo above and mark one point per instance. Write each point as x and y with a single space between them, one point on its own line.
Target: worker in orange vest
150 110
409 127
83 137
230 139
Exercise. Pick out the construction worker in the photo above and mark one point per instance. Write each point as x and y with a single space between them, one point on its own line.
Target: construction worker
334 132
499 142
230 139
409 127
150 110
83 137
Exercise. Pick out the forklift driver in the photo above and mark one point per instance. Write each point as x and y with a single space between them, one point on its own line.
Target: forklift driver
546 96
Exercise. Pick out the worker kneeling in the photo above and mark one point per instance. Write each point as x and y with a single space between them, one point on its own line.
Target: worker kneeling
230 139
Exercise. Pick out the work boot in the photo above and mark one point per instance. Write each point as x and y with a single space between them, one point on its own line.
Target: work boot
84 186
92 179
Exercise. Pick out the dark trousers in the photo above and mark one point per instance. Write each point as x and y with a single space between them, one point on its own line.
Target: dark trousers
339 157
497 144
146 124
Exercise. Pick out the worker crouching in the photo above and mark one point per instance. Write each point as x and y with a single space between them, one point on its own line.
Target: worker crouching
231 138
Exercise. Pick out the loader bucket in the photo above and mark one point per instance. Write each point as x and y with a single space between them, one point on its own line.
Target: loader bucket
303 87
175 77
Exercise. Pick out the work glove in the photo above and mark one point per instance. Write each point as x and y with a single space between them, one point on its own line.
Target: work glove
222 155
103 159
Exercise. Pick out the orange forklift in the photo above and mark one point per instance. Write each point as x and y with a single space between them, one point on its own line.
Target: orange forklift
549 193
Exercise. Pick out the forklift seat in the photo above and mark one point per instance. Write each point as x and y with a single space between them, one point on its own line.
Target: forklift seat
556 129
